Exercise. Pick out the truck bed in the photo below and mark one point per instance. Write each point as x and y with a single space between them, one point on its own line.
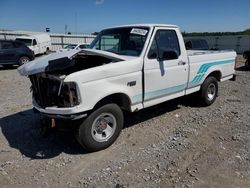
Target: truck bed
204 52
202 63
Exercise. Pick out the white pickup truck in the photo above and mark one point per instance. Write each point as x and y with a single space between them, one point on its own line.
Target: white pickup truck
127 68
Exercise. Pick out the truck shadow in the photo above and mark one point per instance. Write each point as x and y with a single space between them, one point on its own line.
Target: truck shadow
21 130
8 67
160 109
243 69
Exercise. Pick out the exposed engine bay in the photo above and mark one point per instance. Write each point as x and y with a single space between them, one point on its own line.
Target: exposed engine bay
79 62
49 88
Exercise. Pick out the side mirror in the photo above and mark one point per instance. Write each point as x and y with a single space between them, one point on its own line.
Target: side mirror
152 55
168 55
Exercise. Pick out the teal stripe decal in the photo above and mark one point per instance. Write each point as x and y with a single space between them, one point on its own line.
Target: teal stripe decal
166 91
137 98
195 82
203 69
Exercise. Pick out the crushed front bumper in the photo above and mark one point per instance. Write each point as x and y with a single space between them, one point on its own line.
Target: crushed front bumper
59 113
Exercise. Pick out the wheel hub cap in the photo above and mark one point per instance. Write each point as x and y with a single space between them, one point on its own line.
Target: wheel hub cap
103 127
211 91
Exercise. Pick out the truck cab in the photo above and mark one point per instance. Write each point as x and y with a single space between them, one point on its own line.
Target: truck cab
127 68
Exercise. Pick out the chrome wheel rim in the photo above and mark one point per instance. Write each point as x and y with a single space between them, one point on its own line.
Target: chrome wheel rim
211 91
103 127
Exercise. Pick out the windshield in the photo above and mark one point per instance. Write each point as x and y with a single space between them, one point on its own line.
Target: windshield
70 46
26 41
123 41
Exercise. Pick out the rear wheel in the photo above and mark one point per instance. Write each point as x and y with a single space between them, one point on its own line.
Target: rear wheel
209 91
101 128
22 60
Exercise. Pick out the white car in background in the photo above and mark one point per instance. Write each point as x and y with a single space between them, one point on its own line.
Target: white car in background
74 47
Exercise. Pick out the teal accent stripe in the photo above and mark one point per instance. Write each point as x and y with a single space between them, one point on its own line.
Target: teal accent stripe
165 91
195 82
137 98
203 69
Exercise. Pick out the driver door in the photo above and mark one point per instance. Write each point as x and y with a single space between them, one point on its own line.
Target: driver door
165 78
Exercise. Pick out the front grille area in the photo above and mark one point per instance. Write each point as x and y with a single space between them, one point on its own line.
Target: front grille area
49 92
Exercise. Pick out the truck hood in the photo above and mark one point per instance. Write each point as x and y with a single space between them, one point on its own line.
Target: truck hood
63 60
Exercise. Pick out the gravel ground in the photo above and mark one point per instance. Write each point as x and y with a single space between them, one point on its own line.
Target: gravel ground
175 144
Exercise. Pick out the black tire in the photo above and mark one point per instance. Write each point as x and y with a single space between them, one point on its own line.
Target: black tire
209 91
95 126
23 59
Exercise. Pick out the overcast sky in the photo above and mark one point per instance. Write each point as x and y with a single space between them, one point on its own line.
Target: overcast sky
87 16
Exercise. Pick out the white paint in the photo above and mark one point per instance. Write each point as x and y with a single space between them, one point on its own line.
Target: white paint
96 83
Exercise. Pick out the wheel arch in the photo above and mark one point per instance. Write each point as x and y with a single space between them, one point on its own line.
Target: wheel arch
24 55
121 99
216 74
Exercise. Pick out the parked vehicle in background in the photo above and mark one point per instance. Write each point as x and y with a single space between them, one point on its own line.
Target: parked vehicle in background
14 53
127 68
74 47
38 43
246 55
196 44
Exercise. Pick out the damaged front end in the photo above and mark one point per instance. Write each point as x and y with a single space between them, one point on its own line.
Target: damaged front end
51 91
48 74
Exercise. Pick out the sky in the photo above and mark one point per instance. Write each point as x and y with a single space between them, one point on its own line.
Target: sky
88 16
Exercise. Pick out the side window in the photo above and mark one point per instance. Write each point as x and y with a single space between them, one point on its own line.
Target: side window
34 42
164 40
7 45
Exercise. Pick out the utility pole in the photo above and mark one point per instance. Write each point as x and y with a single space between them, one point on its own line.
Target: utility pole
65 29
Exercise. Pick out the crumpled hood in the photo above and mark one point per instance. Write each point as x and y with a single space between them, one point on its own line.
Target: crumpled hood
62 60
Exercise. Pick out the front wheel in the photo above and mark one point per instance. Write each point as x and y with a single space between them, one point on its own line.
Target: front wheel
209 91
101 128
22 60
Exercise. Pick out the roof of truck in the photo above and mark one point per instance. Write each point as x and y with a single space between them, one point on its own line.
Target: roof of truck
145 25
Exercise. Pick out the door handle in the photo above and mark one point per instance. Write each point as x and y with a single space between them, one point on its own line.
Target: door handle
181 63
